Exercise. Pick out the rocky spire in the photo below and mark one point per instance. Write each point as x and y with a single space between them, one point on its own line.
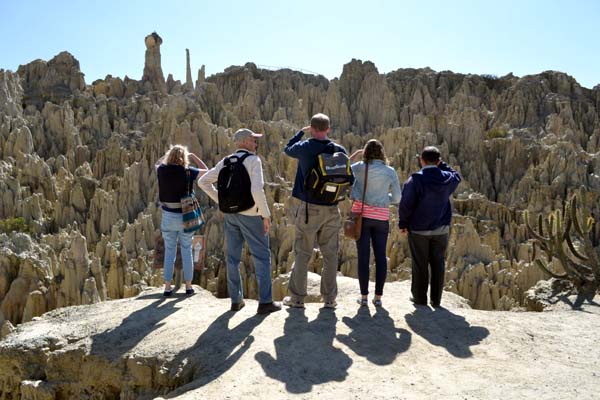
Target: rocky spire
201 76
188 71
153 78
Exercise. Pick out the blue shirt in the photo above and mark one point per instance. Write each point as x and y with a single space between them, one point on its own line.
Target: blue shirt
306 151
425 204
383 186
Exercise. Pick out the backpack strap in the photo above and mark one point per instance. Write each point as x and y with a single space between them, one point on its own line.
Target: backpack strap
245 155
329 148
187 181
362 207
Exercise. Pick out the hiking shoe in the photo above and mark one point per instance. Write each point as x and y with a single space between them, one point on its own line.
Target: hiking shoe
288 302
362 302
267 308
330 304
419 303
237 306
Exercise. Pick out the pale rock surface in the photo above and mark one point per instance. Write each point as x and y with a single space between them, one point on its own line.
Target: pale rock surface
77 158
195 348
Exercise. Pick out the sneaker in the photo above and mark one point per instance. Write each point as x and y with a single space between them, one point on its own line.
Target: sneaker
267 308
362 302
436 305
287 301
168 293
237 306
189 291
377 303
330 304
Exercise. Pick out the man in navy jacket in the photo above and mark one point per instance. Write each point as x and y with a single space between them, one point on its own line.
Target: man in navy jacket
425 214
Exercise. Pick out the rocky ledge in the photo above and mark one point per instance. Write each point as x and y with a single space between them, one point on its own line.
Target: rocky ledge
189 347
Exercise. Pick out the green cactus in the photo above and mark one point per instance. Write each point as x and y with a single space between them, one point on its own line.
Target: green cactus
556 241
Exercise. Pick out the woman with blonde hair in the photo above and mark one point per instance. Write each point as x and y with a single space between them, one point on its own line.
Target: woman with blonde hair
382 189
175 180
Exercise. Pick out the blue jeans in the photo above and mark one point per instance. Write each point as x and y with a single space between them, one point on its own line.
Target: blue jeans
172 228
374 231
237 229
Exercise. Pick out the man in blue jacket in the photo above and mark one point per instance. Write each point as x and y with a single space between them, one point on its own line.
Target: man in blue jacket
425 214
314 222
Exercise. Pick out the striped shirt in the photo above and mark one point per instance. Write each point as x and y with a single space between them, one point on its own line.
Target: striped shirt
379 213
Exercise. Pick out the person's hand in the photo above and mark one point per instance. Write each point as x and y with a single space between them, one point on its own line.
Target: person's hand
307 129
403 231
267 225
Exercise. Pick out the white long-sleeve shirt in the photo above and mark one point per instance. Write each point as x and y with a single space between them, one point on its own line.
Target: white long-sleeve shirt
253 165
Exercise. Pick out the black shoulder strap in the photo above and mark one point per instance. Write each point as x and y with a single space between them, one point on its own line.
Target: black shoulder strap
246 155
329 148
189 185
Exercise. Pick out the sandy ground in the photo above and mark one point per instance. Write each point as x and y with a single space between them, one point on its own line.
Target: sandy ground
396 352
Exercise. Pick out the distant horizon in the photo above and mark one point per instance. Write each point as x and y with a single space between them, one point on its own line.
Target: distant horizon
465 36
276 68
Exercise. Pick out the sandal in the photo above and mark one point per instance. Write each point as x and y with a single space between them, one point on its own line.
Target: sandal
377 303
362 302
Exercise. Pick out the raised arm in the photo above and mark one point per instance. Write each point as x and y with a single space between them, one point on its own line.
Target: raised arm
160 161
356 155
456 178
201 166
293 147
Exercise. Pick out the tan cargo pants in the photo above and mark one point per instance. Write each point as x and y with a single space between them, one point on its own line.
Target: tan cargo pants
321 229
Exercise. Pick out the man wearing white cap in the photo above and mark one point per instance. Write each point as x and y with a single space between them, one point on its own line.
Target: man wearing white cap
241 197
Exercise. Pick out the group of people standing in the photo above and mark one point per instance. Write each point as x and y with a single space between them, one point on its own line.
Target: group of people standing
424 214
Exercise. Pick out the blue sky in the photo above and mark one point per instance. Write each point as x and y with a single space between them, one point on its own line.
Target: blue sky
107 37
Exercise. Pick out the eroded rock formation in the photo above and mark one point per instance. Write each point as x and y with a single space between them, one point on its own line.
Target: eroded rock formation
77 162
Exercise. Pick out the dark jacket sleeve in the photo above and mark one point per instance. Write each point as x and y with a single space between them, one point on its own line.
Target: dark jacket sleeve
456 178
407 203
294 147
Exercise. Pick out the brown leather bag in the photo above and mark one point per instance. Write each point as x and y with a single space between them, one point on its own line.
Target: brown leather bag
353 223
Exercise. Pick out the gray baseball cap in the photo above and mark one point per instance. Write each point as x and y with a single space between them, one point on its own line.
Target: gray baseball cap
244 133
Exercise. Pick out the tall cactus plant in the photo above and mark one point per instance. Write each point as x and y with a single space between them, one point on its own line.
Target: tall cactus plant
554 236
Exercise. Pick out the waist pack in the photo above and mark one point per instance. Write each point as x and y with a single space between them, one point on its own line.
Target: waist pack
234 186
330 179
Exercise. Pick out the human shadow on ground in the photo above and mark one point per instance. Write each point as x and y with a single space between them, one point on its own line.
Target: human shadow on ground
440 327
375 338
217 349
114 343
305 355
578 302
